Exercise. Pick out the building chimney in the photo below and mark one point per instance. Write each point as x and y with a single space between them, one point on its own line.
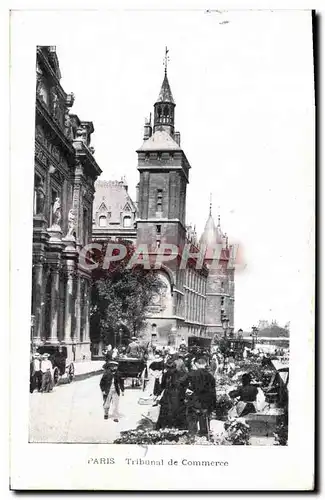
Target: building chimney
147 133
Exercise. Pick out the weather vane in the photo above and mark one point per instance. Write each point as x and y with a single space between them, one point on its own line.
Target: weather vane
166 59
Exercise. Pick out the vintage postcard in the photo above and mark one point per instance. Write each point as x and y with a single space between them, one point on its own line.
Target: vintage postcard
162 217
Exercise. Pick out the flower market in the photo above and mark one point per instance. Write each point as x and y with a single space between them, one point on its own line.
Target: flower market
227 394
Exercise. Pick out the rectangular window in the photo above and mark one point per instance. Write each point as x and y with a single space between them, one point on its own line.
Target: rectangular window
158 229
159 200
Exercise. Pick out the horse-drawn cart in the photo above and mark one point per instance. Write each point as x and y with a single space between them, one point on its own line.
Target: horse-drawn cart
134 368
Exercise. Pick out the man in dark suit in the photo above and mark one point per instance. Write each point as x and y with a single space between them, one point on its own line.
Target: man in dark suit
200 397
112 386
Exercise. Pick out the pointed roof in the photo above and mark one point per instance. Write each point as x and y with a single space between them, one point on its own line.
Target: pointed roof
165 94
209 235
160 141
220 235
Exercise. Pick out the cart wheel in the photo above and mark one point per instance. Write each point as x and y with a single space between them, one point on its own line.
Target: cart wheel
71 373
56 375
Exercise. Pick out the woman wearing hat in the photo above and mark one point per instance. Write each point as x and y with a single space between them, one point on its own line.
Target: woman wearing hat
247 394
46 369
134 349
172 409
36 372
112 386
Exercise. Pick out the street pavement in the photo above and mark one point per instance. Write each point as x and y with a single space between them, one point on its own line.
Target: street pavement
73 413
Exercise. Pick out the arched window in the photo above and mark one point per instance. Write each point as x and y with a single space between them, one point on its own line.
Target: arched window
159 111
102 221
166 111
127 221
153 331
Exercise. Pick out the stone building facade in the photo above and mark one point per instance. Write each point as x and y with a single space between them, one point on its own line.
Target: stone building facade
65 173
193 301
114 212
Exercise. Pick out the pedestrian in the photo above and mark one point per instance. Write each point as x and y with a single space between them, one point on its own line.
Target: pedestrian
213 367
134 350
172 409
37 373
179 363
112 386
247 395
115 353
46 369
156 368
108 352
200 398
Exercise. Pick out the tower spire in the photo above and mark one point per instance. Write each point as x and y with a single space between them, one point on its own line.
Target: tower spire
166 60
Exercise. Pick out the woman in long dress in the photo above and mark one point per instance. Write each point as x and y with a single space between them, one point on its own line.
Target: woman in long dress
172 408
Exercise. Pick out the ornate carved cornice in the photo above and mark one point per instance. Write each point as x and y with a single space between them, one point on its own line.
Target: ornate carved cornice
87 160
43 113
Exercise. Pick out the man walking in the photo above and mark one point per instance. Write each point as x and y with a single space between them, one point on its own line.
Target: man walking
200 397
112 386
37 373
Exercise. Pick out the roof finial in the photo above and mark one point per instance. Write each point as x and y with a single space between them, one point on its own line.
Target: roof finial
166 59
219 220
210 208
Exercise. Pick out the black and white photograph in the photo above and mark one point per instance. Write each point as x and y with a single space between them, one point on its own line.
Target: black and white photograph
169 231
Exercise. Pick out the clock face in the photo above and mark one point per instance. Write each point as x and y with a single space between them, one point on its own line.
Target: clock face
156 299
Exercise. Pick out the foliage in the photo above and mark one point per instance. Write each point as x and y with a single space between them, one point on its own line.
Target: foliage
238 432
120 296
223 405
259 373
140 436
281 431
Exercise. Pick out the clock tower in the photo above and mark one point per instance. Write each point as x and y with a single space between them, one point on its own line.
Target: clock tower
164 174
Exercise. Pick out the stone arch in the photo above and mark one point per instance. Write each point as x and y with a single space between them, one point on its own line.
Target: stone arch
170 275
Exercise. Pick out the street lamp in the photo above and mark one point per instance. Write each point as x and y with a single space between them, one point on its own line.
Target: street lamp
225 324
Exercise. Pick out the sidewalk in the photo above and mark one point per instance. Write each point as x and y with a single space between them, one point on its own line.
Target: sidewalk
85 369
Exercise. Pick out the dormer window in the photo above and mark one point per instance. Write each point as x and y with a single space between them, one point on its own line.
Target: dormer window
102 221
127 221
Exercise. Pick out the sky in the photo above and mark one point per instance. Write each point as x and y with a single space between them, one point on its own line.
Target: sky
243 87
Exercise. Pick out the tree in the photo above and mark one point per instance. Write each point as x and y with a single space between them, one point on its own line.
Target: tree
120 296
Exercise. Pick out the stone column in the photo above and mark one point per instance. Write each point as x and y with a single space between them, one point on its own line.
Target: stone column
54 306
68 308
87 311
38 302
78 311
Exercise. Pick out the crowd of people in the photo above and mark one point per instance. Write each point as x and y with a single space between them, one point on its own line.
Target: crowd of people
183 385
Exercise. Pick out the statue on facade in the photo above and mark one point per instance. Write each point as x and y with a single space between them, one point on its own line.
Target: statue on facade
40 198
56 212
41 90
71 222
55 105
68 125
81 135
